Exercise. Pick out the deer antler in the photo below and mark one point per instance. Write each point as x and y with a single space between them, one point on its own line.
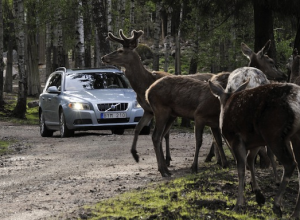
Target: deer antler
130 42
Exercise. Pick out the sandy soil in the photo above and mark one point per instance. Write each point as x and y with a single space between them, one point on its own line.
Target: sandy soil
47 178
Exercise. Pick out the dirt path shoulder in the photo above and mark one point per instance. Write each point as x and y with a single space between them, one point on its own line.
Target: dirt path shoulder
47 177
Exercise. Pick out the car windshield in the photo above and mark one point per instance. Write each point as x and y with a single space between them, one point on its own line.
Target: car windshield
89 81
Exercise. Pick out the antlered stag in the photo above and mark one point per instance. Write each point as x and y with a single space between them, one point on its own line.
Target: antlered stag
267 115
140 79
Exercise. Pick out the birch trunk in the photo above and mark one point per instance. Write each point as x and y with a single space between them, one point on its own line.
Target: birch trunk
1 58
156 37
79 47
20 109
8 85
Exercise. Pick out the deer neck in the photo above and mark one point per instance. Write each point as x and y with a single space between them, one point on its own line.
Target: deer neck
139 77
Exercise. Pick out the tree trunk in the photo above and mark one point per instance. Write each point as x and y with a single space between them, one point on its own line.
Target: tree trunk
177 47
109 17
1 58
34 85
49 47
168 39
297 38
79 36
100 21
87 33
20 109
122 14
132 6
8 85
156 37
263 28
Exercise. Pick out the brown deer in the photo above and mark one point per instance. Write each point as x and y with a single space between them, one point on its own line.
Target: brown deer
266 64
180 96
140 80
267 115
263 62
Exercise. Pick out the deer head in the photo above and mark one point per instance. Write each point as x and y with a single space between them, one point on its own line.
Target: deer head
125 56
263 62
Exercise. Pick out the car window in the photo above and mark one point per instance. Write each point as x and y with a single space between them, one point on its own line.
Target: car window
54 80
78 81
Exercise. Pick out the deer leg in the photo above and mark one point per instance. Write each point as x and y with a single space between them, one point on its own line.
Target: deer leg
157 136
240 153
274 165
198 135
167 135
142 122
282 150
296 149
218 138
211 153
260 199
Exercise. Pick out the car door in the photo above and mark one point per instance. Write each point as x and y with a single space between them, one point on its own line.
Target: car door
50 101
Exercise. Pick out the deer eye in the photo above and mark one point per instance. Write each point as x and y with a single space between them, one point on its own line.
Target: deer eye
120 51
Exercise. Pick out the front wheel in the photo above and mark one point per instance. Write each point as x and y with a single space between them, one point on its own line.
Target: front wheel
44 131
64 130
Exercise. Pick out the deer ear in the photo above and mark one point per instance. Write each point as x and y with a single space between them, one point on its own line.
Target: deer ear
243 86
216 89
266 48
246 50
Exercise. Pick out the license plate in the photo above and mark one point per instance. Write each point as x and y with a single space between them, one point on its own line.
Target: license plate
113 115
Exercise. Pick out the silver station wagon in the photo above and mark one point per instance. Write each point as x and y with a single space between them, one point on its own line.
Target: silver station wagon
88 99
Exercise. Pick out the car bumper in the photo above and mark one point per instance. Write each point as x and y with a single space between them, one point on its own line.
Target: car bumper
89 120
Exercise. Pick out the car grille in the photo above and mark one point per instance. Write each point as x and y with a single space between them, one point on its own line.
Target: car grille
112 107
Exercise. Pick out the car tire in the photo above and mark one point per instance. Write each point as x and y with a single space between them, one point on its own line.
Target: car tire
44 131
64 130
146 130
117 131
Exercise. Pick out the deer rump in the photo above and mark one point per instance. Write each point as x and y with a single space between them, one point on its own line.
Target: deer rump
266 115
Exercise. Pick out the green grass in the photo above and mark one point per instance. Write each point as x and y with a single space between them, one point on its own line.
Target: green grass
4 147
32 114
211 194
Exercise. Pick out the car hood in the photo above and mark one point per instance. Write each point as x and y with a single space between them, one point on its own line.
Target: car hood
103 95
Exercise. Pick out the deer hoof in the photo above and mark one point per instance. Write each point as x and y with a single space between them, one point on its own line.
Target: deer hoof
165 173
276 209
135 155
168 161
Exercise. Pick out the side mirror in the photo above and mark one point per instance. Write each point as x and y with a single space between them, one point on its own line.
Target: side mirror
53 89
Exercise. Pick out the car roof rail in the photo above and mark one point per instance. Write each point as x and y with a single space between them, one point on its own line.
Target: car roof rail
61 68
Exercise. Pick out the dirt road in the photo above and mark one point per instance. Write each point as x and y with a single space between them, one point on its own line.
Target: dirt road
47 178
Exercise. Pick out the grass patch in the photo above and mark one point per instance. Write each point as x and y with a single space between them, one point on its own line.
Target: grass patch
32 114
211 194
4 147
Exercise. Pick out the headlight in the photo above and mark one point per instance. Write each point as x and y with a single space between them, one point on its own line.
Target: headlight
137 105
79 106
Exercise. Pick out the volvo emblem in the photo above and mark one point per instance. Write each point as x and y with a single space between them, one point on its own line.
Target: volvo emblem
112 107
